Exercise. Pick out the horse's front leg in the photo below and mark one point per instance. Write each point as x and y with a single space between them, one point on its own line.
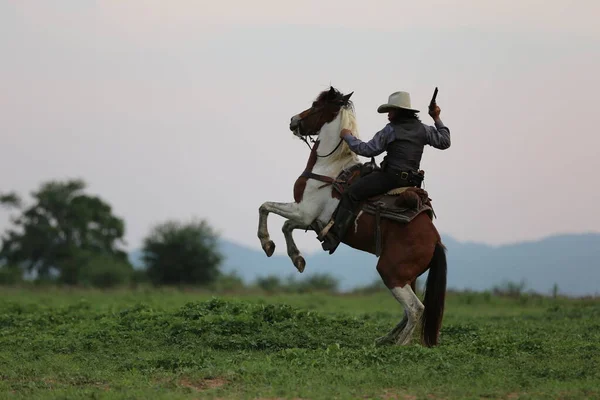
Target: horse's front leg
290 211
292 249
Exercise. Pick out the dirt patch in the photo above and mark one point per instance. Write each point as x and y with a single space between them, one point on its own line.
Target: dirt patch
277 398
202 384
395 394
391 394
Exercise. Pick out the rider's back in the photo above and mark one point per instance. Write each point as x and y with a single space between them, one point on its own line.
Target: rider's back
406 151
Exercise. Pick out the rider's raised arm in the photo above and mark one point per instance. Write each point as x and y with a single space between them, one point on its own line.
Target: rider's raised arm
438 136
373 147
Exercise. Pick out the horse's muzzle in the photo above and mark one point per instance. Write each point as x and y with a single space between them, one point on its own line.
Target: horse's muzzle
294 123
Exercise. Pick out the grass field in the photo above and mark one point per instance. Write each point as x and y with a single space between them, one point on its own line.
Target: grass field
168 344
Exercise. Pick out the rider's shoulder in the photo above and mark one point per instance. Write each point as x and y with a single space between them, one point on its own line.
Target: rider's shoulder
389 127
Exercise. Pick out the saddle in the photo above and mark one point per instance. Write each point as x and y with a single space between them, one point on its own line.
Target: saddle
401 204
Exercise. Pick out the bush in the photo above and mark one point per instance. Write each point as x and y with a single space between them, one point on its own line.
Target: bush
270 284
318 283
374 287
106 272
90 269
182 254
509 289
313 283
230 282
10 275
139 277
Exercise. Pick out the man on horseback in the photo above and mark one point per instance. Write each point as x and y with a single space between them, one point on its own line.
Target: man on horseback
404 139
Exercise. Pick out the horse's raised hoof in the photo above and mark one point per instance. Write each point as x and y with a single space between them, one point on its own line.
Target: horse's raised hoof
299 263
269 248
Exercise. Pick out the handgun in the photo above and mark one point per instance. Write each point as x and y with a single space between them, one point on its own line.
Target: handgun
432 103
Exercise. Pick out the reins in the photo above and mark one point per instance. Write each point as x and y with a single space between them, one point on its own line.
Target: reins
309 174
313 141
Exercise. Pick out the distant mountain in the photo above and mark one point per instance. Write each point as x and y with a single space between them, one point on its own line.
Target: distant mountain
351 267
570 261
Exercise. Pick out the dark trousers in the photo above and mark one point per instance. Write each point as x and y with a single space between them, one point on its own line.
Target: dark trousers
374 184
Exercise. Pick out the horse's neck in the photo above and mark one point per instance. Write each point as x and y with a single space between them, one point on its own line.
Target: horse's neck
329 138
332 165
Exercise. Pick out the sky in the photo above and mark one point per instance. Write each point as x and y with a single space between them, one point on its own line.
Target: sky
180 109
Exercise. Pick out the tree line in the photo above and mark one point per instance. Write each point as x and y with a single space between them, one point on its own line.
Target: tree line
68 236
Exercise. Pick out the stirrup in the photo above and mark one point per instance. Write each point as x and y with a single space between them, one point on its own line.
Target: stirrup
325 231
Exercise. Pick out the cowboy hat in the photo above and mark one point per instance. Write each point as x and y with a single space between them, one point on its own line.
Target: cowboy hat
397 100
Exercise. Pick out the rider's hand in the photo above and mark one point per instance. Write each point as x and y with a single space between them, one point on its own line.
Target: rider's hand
434 112
345 132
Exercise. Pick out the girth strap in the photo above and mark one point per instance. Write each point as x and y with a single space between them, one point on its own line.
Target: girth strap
378 230
328 180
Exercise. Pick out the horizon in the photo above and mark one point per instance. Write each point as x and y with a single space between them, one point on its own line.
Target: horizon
280 252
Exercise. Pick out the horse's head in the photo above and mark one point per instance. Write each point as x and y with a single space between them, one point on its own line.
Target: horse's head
323 110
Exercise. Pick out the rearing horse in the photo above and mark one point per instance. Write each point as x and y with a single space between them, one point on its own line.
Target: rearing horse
408 250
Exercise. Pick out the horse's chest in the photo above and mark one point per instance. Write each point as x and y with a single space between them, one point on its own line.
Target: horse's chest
299 187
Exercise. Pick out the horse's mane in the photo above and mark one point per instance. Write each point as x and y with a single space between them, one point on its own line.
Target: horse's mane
334 94
347 121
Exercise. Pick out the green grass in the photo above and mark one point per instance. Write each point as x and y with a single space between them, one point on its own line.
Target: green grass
172 344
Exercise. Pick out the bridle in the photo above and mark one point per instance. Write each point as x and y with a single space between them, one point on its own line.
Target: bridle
309 174
313 141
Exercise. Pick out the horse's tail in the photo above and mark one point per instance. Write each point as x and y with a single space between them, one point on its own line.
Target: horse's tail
435 296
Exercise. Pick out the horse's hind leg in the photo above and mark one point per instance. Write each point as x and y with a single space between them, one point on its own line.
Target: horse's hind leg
413 309
392 336
292 249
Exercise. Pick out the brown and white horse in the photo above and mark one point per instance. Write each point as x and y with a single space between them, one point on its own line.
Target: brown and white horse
408 250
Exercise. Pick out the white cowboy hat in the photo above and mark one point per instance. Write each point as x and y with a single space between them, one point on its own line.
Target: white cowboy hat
397 100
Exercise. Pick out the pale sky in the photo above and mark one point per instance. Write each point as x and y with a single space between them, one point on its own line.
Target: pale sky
180 109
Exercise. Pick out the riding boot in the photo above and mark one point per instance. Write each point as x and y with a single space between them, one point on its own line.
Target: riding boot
343 218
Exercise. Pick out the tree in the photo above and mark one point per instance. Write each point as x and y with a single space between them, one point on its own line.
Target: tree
62 226
178 253
10 200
